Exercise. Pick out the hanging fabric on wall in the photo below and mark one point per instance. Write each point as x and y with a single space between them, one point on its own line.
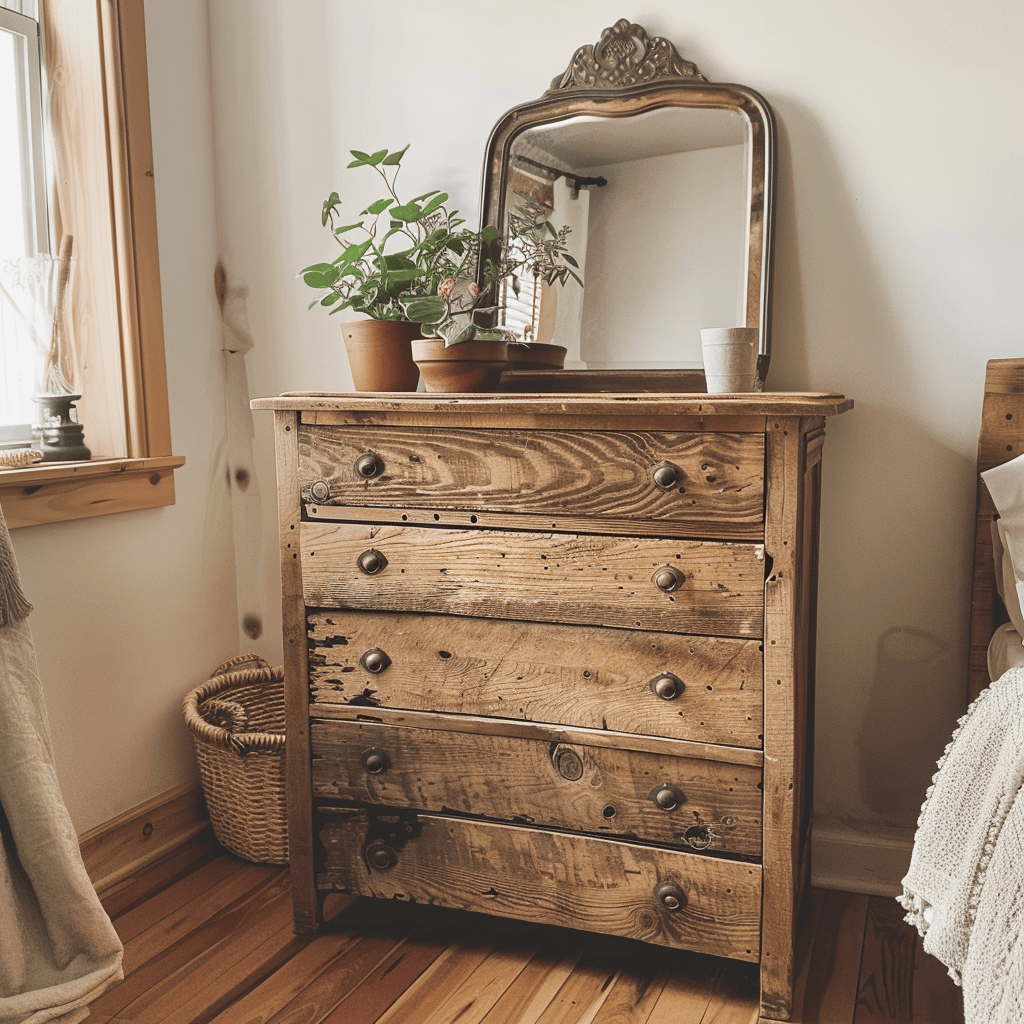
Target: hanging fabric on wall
58 949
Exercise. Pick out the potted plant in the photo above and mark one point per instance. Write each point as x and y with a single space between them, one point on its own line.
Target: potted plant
463 347
377 265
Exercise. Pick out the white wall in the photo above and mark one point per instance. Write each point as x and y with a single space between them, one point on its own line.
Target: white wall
133 610
898 254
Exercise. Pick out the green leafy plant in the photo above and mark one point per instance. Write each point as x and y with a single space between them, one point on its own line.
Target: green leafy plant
425 241
466 302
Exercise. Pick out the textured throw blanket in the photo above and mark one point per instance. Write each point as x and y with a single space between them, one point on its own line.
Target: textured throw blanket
58 949
965 888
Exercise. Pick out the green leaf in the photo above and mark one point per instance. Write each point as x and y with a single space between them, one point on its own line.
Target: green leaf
426 309
489 234
453 333
441 197
316 279
408 212
321 268
361 159
395 158
330 300
399 261
457 246
377 157
355 252
329 204
347 227
568 259
426 195
551 229
378 207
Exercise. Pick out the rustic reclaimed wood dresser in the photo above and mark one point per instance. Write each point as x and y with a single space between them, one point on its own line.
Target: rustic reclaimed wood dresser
551 657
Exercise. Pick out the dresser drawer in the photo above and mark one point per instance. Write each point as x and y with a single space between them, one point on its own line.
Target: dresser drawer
672 898
703 587
668 477
568 675
532 777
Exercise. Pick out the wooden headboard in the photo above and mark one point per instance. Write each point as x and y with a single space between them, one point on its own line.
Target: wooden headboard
1001 439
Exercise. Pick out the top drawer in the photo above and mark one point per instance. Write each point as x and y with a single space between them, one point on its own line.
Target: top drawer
664 477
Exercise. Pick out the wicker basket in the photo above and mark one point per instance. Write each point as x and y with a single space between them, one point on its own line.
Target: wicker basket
237 721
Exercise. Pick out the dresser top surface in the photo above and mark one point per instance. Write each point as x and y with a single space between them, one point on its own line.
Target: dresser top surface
778 403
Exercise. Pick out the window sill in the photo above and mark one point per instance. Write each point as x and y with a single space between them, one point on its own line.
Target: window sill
55 492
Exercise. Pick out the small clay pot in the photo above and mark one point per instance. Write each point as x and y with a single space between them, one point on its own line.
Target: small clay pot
535 356
379 354
467 366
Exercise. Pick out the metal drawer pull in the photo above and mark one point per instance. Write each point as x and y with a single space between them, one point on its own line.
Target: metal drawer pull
369 466
668 578
667 686
371 561
375 760
374 660
568 764
319 491
666 475
381 856
667 797
670 896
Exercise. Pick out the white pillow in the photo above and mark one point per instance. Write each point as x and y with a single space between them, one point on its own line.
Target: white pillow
1006 485
1006 583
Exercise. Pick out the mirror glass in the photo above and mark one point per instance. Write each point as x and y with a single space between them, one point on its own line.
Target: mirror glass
658 215
666 184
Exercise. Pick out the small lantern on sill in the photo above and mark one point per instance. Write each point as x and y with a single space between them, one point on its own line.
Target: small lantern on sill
59 437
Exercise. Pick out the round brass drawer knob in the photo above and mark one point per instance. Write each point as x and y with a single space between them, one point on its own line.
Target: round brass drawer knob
668 578
369 465
667 797
667 686
375 761
319 491
381 856
371 561
666 475
670 896
374 660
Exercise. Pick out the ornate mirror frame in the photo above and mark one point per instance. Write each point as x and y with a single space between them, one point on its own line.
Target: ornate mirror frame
627 73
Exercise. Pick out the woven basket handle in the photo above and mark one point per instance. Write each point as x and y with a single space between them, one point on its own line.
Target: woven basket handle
237 662
227 714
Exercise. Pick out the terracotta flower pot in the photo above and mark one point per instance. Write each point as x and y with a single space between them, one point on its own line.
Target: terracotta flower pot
379 354
535 356
468 366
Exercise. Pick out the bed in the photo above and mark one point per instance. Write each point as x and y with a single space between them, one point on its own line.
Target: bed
965 888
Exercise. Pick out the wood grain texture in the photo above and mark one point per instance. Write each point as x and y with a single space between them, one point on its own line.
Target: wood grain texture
886 988
572 675
538 577
553 473
124 845
830 995
1000 439
608 790
296 701
786 637
547 877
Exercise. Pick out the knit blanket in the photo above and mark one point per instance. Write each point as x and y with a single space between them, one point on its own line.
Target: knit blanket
58 949
965 889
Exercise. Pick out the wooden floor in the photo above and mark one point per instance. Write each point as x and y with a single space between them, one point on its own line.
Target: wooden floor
208 938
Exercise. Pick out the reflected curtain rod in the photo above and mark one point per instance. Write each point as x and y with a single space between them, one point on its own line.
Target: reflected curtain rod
576 181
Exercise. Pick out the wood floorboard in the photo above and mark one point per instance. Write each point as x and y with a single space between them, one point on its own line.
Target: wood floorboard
208 940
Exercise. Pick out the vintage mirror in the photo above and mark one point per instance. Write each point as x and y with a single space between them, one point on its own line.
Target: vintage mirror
665 181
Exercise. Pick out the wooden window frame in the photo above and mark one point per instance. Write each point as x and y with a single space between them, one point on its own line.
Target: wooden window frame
125 202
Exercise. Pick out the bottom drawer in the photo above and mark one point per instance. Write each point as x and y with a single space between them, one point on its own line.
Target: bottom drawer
661 896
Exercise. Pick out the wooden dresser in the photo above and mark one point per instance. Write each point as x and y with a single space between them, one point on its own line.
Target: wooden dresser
552 657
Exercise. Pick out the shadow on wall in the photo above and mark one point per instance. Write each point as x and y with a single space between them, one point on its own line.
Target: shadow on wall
908 662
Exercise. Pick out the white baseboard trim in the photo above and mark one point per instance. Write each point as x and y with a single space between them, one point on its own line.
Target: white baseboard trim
859 856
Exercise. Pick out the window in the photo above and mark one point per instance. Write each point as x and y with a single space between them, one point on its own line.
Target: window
23 222
95 93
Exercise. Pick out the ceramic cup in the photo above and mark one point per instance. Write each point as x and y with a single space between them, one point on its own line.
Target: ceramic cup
730 358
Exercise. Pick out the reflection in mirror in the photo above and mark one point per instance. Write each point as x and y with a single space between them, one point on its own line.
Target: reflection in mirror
657 208
666 183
